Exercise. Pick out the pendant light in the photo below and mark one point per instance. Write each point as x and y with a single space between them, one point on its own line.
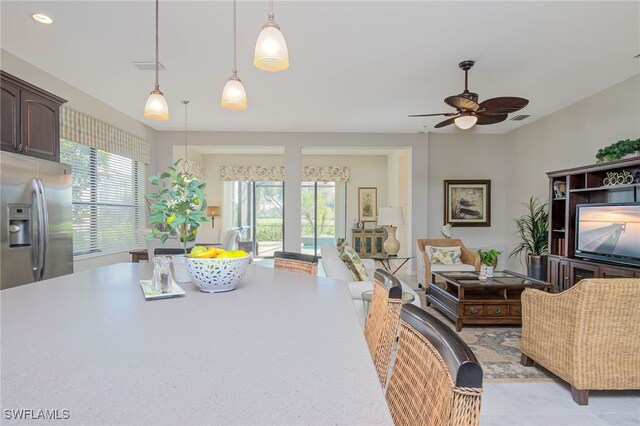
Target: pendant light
185 165
156 107
271 52
466 120
234 96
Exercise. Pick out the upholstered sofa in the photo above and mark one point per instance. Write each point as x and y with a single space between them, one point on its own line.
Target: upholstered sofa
588 335
470 260
335 268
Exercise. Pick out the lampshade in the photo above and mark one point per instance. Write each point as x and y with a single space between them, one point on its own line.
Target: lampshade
156 107
233 95
271 53
390 216
466 121
213 211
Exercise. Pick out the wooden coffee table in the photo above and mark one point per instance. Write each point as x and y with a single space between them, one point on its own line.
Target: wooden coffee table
466 299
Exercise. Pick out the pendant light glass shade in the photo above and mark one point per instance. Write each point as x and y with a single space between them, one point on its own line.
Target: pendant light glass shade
271 52
234 97
156 107
466 121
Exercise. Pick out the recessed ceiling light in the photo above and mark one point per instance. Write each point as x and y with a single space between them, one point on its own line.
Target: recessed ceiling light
42 18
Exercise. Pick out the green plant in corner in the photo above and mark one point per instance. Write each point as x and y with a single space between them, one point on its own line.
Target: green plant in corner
179 205
617 150
533 229
488 257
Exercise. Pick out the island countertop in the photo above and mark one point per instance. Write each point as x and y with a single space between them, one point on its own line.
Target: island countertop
283 348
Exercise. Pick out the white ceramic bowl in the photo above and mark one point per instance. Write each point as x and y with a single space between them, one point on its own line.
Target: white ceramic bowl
217 275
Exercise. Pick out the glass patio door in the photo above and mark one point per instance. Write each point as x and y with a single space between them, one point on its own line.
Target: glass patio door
318 215
258 212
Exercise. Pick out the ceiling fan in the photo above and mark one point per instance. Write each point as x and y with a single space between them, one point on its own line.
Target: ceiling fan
470 112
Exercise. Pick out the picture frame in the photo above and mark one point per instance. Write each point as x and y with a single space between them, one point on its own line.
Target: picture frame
467 202
367 204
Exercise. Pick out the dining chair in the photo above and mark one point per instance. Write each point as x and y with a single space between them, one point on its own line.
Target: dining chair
295 262
381 327
436 379
230 241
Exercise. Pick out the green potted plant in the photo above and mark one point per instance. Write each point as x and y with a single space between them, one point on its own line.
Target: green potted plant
489 258
619 150
177 209
533 230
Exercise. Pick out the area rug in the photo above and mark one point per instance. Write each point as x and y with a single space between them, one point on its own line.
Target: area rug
497 349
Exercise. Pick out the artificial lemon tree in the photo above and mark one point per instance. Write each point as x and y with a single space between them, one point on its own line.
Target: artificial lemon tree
178 206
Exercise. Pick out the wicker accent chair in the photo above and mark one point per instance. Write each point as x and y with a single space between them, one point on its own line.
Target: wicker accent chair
381 327
295 262
470 259
436 379
587 335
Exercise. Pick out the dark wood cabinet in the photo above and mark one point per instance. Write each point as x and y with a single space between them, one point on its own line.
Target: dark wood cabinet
10 124
584 185
30 119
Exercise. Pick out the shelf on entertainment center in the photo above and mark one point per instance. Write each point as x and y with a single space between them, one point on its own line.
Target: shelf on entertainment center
585 186
606 188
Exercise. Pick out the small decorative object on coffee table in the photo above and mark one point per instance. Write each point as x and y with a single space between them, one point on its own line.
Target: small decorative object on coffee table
466 299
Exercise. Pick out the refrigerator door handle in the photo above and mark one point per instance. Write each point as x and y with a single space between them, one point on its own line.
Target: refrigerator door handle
36 223
44 232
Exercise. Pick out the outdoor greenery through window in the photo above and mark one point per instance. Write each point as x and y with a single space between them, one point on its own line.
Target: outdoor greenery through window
107 200
318 206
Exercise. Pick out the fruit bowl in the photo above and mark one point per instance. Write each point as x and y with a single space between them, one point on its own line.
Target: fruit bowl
215 275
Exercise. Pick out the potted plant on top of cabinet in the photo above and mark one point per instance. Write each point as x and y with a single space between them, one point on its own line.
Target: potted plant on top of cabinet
533 230
489 258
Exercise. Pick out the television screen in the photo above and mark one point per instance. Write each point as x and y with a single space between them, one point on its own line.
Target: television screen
611 231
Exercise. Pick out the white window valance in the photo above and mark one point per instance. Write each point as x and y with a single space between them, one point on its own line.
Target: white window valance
325 174
252 173
276 173
83 129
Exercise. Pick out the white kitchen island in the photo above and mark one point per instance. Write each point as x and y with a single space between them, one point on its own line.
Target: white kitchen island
283 348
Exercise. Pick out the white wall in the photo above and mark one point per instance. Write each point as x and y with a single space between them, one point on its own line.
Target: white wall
414 165
81 101
568 138
469 156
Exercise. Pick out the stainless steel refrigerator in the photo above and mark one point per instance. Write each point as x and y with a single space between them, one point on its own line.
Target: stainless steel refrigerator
36 233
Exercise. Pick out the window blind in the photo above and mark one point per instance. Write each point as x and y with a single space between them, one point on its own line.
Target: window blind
107 200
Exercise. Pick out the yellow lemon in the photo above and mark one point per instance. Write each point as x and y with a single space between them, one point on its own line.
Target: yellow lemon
196 201
225 255
171 219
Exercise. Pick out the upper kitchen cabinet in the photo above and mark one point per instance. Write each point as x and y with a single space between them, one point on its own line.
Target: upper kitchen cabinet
30 119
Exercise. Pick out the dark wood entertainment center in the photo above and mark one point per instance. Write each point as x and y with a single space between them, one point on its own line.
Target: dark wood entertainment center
584 185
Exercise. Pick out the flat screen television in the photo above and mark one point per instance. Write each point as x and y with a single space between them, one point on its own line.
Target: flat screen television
609 232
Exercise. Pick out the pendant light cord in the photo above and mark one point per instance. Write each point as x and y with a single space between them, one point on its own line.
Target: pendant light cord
271 10
157 60
235 70
185 165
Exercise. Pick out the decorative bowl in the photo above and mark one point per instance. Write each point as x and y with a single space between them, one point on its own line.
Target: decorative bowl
217 275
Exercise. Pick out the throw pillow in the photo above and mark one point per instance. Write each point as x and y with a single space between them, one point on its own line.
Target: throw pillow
445 255
354 263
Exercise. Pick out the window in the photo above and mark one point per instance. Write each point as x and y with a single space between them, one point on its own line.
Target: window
107 200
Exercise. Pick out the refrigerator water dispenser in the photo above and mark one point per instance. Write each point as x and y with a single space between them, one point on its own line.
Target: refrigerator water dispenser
19 225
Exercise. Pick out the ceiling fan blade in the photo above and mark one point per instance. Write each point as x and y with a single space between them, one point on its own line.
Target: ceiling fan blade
503 105
445 122
446 114
490 119
460 102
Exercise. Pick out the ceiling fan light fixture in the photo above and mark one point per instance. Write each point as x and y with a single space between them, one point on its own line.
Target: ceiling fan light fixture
466 121
156 107
234 97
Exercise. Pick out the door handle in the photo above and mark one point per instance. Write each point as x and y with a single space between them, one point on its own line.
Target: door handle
36 223
44 234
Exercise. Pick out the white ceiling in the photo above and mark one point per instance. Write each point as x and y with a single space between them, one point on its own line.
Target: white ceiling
356 66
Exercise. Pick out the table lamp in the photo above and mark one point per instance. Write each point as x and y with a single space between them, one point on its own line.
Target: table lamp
391 218
213 212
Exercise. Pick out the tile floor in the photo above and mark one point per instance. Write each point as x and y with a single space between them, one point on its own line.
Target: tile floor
544 404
